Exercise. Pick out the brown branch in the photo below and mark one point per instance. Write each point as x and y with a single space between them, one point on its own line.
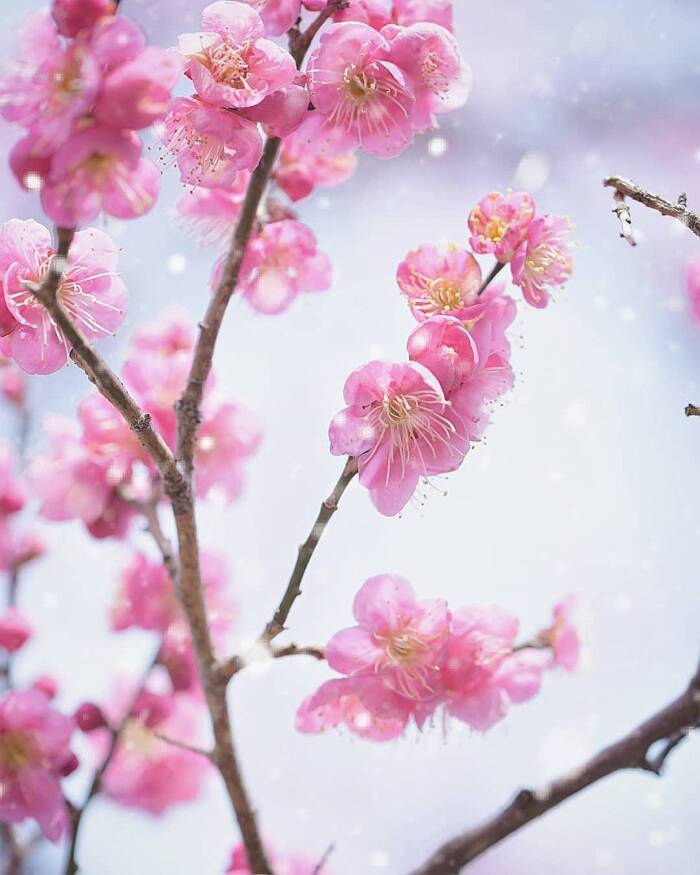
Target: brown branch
239 661
670 725
71 863
692 410
495 270
622 211
306 551
149 510
15 852
676 210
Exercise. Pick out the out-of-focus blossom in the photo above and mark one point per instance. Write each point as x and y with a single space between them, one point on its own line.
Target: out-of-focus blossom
12 491
365 99
693 288
90 290
230 63
375 13
15 630
13 384
398 639
407 12
277 15
74 16
211 214
544 261
563 635
499 224
308 160
281 262
288 864
229 434
34 753
397 426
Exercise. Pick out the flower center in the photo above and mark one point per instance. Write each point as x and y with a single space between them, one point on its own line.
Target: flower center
358 84
445 294
98 165
228 64
17 750
495 229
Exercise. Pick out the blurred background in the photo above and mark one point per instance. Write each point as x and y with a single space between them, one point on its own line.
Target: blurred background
588 479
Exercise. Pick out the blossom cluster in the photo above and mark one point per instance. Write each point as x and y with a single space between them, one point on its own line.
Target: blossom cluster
96 470
406 659
408 420
85 83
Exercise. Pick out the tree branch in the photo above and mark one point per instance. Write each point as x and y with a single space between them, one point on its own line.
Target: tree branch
626 188
670 725
495 270
306 551
692 410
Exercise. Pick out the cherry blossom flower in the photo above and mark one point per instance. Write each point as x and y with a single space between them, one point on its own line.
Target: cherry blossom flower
281 262
34 752
396 425
499 224
51 87
441 282
73 16
90 290
430 56
210 145
365 99
147 773
231 65
308 160
283 865
398 639
364 704
544 261
693 289
407 12
210 215
99 169
15 629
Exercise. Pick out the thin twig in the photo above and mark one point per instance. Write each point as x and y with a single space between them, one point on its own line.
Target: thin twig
115 734
149 510
676 210
183 745
671 724
318 868
495 270
622 211
692 410
306 551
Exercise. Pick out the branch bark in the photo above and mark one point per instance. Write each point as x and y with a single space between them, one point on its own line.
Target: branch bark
676 210
669 725
692 410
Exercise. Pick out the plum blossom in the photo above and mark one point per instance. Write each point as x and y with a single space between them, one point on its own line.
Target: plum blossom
407 12
147 773
34 755
375 13
277 15
398 639
13 384
397 426
430 56
15 630
308 160
288 864
74 16
90 290
365 99
441 282
12 491
210 145
563 635
693 288
499 224
210 215
228 435
281 262
230 63
544 261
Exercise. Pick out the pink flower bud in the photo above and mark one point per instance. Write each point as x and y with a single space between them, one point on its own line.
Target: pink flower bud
89 717
47 685
69 765
13 385
72 16
14 630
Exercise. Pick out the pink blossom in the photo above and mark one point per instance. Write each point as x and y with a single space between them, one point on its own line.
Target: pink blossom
396 425
544 261
499 224
375 13
228 435
398 639
308 160
407 12
211 214
90 290
171 334
13 384
51 87
98 169
34 750
210 145
277 15
693 288
281 112
281 262
364 704
147 773
137 93
12 492
430 56
441 282
443 346
15 630
365 99
283 865
563 635
231 65
73 16
147 598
